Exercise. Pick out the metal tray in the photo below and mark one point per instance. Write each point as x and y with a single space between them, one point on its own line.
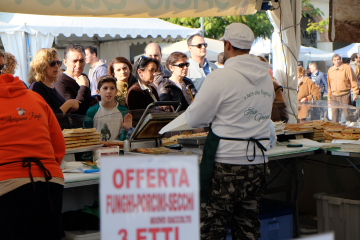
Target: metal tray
193 140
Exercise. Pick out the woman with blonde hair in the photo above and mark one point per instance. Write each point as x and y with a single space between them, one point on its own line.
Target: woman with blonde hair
307 91
44 72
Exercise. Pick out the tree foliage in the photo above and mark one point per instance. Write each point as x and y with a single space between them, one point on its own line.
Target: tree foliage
215 26
310 11
258 22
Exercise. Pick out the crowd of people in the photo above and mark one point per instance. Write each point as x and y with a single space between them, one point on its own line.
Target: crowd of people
237 97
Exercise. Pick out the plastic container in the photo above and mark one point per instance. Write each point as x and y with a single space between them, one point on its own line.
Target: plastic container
277 220
340 213
82 235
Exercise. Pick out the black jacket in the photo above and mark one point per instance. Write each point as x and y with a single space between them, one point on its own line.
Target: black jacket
168 91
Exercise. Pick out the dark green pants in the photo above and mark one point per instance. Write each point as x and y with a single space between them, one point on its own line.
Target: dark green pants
234 196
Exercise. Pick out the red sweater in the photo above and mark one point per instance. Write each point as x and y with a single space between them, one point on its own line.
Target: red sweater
28 128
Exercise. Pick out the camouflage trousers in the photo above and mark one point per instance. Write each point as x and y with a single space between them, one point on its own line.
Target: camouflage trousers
234 197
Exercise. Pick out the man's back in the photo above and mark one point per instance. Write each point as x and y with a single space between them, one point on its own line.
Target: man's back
239 99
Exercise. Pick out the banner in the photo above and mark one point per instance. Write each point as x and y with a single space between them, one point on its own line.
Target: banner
344 21
131 8
150 197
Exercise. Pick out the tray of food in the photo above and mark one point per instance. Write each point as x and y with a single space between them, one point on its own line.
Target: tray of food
159 150
185 135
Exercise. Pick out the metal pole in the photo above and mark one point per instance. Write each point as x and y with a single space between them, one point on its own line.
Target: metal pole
202 19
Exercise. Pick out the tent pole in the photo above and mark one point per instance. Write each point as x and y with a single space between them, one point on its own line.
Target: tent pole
202 28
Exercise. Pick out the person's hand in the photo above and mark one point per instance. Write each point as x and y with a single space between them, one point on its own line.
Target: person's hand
127 123
82 80
74 103
303 99
356 97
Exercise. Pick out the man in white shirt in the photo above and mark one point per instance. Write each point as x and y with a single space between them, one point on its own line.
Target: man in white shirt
97 69
236 101
199 65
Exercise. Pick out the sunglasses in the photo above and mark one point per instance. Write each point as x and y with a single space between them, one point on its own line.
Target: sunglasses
200 45
53 63
182 65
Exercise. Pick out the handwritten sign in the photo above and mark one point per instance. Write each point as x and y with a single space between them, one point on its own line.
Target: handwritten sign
131 8
149 197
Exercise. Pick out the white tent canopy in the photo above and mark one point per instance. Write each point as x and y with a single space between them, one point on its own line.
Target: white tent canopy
123 27
346 52
313 54
24 34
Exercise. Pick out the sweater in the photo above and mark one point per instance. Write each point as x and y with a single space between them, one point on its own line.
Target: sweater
28 128
51 96
237 101
70 89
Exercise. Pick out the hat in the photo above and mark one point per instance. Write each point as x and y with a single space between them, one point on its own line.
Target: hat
239 35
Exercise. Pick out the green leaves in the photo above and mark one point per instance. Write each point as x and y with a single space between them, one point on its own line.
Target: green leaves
215 26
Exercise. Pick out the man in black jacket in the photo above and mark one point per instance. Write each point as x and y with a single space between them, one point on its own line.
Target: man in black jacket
73 83
319 78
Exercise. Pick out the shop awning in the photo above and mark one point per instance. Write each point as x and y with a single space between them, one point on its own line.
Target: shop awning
132 8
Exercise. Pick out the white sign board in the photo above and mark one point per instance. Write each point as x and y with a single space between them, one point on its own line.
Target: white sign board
150 198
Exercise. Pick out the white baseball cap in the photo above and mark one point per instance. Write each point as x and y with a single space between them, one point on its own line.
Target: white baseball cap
239 35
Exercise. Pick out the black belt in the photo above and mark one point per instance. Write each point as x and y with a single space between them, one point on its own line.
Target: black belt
27 162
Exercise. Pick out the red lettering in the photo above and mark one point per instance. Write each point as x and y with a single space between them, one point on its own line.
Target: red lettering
167 232
184 178
139 177
162 177
154 231
118 174
150 177
173 172
108 203
177 233
129 177
139 232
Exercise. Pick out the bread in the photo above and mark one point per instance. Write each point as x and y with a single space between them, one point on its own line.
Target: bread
79 130
335 128
351 130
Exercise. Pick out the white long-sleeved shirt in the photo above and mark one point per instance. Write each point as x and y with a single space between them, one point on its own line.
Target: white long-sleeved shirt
237 100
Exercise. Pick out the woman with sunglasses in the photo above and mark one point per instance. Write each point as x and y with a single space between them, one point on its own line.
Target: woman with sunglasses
44 72
120 68
141 94
177 87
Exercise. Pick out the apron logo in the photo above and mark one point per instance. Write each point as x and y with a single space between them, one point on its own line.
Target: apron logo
21 111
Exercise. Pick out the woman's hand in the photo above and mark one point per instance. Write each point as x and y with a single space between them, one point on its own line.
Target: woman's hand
70 105
127 123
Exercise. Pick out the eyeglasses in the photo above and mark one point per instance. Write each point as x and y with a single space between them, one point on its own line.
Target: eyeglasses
53 63
200 45
182 65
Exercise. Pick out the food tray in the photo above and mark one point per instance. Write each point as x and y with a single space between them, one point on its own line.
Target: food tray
193 140
83 149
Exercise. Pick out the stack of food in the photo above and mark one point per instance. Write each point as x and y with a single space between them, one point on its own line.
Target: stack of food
174 139
319 127
342 132
78 137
